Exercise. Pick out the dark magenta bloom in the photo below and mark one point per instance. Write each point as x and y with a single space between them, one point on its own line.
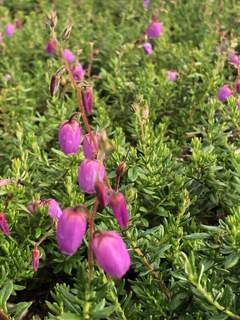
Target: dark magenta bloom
88 100
147 47
35 258
172 75
18 24
9 29
71 229
68 55
89 172
238 85
238 104
51 46
102 193
111 253
89 147
119 207
155 29
54 209
69 136
224 93
4 224
78 72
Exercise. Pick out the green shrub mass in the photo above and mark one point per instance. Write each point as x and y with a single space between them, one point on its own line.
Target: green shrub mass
182 179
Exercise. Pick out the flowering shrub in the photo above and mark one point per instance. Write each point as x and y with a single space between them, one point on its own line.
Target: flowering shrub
120 175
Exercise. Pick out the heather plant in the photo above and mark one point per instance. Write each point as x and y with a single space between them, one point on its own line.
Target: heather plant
119 160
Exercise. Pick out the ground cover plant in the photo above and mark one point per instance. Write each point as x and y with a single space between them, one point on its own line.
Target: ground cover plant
119 159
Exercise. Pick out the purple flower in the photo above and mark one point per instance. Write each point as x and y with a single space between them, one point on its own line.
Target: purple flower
172 75
33 206
69 136
155 29
54 209
102 193
9 29
88 100
238 104
71 229
111 253
238 85
4 224
119 207
51 46
35 258
146 4
224 93
68 55
78 72
234 59
90 147
147 47
89 172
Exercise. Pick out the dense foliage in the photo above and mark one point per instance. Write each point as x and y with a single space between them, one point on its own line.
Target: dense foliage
181 146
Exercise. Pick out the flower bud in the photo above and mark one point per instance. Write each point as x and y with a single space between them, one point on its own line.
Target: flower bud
88 100
54 209
102 193
34 205
68 55
172 75
155 29
147 47
4 225
78 72
18 24
90 147
89 172
9 29
224 93
69 136
238 85
111 253
51 46
35 258
238 104
119 207
71 229
234 59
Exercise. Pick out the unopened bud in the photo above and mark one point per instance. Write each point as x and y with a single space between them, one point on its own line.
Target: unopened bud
121 168
4 224
67 31
35 258
102 193
51 20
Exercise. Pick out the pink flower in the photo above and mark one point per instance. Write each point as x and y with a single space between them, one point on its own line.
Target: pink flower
89 172
238 104
102 193
9 29
35 258
155 28
5 182
172 75
89 147
4 224
78 72
147 47
238 85
34 206
68 55
71 229
88 100
51 46
146 4
54 209
119 207
234 59
69 136
224 93
111 253
18 24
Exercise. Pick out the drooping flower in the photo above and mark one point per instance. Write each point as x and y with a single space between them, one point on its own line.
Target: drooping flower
224 93
119 207
147 47
9 29
111 253
172 75
234 59
102 193
4 224
54 209
238 85
78 72
35 258
51 46
71 229
90 147
89 172
146 4
68 55
69 136
155 28
88 100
